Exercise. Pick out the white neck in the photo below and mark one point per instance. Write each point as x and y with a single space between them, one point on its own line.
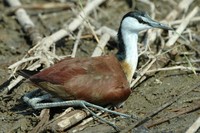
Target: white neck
131 52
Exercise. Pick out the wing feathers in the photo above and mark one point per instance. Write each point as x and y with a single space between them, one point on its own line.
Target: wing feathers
98 80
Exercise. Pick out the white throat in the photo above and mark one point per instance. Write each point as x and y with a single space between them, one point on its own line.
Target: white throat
131 52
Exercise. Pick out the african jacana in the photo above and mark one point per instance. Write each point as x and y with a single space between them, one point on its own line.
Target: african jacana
100 80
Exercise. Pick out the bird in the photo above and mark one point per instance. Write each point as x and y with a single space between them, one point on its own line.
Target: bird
103 80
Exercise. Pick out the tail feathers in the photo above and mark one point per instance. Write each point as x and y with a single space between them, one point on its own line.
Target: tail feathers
27 73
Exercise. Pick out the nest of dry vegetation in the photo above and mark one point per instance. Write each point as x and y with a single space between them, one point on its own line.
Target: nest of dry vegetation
153 58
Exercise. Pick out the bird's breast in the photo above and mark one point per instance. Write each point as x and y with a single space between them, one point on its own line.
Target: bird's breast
127 70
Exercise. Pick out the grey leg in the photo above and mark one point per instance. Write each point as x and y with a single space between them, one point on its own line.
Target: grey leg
33 101
33 97
79 103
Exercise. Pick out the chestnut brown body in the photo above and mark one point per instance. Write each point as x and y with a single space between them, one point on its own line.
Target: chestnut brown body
99 80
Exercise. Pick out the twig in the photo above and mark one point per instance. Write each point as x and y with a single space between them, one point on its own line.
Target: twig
25 21
160 121
182 6
91 30
184 62
76 22
194 19
82 125
102 43
68 120
195 126
69 109
191 66
89 25
65 120
107 30
143 72
23 61
49 5
148 117
86 36
173 68
187 43
43 121
77 41
182 26
21 14
14 82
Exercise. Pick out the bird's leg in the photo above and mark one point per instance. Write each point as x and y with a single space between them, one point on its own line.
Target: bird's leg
35 102
31 98
79 103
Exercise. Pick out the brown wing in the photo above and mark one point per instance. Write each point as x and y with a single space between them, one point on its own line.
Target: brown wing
98 80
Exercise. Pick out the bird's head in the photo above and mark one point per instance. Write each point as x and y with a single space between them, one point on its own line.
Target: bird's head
136 21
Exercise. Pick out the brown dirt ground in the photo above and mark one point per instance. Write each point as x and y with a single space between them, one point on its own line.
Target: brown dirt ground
16 116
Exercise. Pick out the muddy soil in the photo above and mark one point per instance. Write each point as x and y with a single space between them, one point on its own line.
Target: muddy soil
157 89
